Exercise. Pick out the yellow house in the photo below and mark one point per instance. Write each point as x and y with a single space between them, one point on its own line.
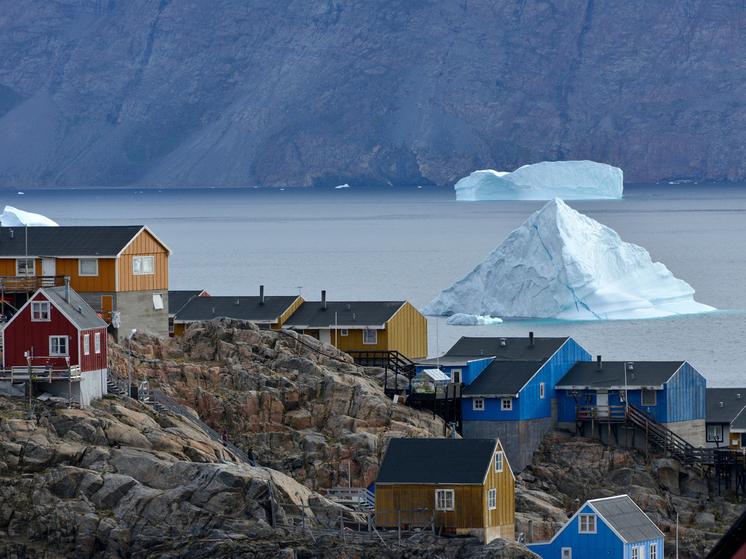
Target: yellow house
120 271
466 485
364 325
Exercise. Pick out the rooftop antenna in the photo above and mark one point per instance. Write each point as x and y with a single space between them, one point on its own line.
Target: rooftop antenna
437 343
300 291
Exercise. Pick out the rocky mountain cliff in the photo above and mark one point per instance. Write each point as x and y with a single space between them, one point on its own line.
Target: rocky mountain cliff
322 92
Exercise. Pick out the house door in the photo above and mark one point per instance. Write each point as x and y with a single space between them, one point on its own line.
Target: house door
602 405
107 305
456 376
325 336
49 270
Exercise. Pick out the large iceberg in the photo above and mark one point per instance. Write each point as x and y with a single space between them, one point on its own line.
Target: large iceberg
570 180
562 264
12 217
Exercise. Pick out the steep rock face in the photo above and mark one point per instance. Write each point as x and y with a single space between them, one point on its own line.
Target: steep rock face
290 93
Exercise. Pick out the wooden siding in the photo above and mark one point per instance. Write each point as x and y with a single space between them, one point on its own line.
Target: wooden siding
8 266
143 245
685 395
93 361
407 332
106 279
468 506
505 484
284 316
353 341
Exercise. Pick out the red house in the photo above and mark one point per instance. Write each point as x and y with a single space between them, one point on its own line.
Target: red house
58 341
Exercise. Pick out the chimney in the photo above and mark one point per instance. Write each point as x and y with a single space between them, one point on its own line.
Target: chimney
323 300
67 289
721 404
598 361
530 339
261 294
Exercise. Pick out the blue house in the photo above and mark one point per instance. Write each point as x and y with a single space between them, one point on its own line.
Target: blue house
513 398
671 392
612 527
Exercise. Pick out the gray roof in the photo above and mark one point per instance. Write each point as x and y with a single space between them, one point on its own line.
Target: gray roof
430 461
732 404
75 308
623 516
241 308
506 349
177 299
503 378
348 315
71 242
584 375
738 425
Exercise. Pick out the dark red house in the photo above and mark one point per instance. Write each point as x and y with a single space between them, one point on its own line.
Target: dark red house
59 341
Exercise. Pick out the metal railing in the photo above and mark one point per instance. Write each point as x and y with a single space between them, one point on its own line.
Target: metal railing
28 284
40 373
358 497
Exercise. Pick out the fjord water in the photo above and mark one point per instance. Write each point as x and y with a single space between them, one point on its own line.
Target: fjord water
411 243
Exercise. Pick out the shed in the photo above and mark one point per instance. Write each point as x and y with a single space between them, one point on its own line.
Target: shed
724 406
430 380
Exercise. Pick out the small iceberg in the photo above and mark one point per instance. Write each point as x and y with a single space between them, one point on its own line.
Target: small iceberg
569 180
345 185
13 217
461 319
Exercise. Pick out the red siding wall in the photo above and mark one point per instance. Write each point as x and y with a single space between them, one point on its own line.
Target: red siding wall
93 361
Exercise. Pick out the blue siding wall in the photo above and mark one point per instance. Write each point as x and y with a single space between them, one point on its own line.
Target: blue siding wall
646 552
492 410
686 395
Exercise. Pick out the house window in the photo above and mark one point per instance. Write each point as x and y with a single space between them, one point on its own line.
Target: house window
714 433
653 551
478 404
587 523
541 390
506 404
635 553
588 399
444 499
370 337
143 265
157 301
26 267
343 332
88 267
492 499
97 342
648 397
86 344
57 345
566 553
39 311
499 461
456 376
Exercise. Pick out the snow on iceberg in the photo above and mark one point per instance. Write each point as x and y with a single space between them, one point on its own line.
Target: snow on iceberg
12 217
562 264
461 319
570 180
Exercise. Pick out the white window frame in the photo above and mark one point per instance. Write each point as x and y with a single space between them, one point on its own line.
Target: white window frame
444 499
566 553
648 392
81 261
370 339
714 433
344 332
456 376
40 311
541 390
86 344
506 404
143 265
21 263
55 348
653 551
97 342
492 499
587 524
499 461
158 301
635 553
478 404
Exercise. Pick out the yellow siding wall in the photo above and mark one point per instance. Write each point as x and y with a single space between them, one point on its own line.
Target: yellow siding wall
468 500
144 245
505 485
105 281
8 266
284 316
407 332
354 341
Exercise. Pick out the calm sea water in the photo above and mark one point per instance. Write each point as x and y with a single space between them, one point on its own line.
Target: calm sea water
409 244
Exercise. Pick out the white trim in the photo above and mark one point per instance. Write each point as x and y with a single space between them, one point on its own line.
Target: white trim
501 461
654 551
26 261
542 392
142 259
344 332
143 228
476 407
492 499
445 493
59 354
566 553
86 344
41 304
587 517
375 336
97 342
158 301
504 401
80 267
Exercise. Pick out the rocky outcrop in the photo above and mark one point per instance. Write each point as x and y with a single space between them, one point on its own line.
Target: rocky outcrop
291 93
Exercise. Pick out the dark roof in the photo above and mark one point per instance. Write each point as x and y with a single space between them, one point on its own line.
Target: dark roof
241 308
733 401
503 378
518 349
738 425
643 374
177 299
349 315
76 241
75 308
429 461
733 540
626 519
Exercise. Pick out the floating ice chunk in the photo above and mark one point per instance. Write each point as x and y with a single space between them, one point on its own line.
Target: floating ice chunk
12 217
345 185
562 264
461 319
570 180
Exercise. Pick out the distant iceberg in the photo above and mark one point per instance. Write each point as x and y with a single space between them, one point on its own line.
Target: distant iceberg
569 180
562 264
12 217
461 319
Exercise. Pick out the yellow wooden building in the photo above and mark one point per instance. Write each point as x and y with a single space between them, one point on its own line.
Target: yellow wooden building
364 325
120 271
467 485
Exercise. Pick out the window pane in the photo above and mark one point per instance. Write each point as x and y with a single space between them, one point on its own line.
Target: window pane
88 267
